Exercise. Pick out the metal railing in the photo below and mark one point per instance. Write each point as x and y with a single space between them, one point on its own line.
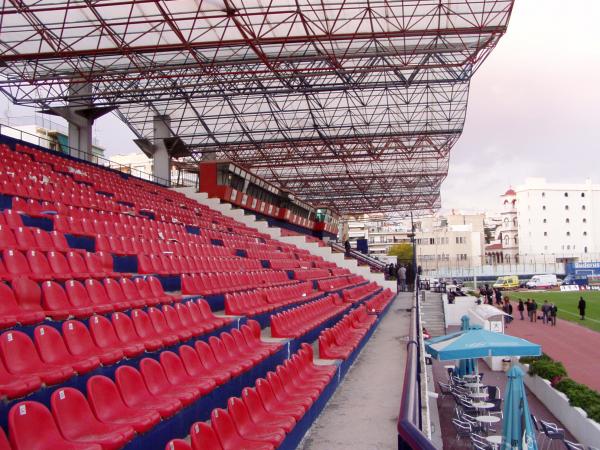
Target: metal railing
370 261
410 422
47 144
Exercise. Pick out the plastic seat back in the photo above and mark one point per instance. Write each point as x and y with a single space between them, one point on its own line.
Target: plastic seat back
104 399
114 290
143 325
131 385
96 292
124 328
50 345
8 304
7 238
73 414
77 294
103 333
54 297
25 417
24 238
154 376
76 262
59 263
203 437
19 353
15 262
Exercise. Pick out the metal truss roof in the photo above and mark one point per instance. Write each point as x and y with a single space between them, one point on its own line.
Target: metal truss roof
353 104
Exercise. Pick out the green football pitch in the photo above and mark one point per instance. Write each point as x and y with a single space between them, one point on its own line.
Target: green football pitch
567 305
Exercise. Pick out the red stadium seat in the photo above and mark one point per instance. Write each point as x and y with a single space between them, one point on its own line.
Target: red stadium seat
16 264
43 240
57 305
159 293
29 297
80 343
106 338
158 383
248 429
125 330
259 414
203 437
79 295
99 264
25 239
99 297
14 386
195 367
21 358
136 395
160 324
273 405
180 444
229 437
60 241
177 374
8 240
116 294
108 406
78 424
24 417
53 350
146 331
4 444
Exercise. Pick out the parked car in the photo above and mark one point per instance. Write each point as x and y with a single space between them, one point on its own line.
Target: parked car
571 280
544 281
507 282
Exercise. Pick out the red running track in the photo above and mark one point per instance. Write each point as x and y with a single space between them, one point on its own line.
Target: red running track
577 347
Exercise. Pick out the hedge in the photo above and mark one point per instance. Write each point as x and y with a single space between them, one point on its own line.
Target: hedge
578 394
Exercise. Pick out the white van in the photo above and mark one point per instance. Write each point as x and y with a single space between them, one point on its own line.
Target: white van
542 281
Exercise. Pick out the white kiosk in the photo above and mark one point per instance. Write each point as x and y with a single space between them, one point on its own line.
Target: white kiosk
492 319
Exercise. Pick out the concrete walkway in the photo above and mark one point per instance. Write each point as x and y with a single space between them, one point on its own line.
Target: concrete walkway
363 412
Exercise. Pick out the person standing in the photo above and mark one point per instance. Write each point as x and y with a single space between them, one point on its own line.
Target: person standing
581 306
553 313
546 312
498 294
347 247
529 306
535 309
521 308
488 294
402 278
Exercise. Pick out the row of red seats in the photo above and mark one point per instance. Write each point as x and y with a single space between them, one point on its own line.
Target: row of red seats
227 282
114 411
311 274
165 264
265 413
298 321
338 271
379 302
287 264
124 245
55 265
261 301
53 357
25 302
341 340
358 294
335 284
26 238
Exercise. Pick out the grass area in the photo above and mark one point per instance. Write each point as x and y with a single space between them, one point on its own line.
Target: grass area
567 305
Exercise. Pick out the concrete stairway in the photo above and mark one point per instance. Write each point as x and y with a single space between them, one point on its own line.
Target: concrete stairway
432 312
275 232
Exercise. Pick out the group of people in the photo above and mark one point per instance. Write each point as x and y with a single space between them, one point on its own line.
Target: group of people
548 309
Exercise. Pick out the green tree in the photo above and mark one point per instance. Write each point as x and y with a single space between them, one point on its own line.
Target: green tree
402 252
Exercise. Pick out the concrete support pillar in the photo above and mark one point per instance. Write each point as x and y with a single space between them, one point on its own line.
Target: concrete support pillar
162 161
80 113
80 127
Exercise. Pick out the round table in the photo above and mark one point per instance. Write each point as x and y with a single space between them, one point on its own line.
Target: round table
482 405
487 420
478 395
495 440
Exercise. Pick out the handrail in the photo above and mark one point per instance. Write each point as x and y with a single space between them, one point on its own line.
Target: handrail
8 131
372 262
410 425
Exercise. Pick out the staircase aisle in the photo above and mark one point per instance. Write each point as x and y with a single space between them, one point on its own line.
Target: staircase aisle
432 311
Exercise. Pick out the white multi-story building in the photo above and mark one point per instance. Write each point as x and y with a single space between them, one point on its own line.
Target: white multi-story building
558 220
450 242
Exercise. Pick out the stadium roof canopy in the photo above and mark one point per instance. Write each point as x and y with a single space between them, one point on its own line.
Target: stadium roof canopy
353 104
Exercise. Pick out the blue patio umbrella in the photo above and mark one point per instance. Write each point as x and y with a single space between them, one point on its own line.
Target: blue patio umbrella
517 430
466 366
479 344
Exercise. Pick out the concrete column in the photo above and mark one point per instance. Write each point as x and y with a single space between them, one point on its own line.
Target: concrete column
80 127
162 161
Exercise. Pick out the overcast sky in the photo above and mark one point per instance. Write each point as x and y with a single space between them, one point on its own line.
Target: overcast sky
534 107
